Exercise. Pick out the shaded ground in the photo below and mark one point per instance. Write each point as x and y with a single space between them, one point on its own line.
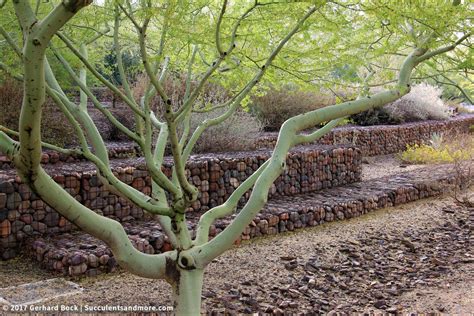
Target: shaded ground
417 257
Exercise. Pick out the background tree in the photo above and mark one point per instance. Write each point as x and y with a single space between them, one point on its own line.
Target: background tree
233 44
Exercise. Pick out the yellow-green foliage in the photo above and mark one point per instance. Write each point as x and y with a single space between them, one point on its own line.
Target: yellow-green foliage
445 153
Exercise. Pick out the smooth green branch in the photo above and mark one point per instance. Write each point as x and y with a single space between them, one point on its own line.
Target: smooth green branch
11 42
10 72
8 146
204 254
206 220
130 193
215 65
189 190
301 139
37 37
69 152
444 49
118 53
80 113
113 88
218 28
246 90
106 229
94 100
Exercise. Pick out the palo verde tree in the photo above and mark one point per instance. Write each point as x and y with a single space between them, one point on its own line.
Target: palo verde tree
237 44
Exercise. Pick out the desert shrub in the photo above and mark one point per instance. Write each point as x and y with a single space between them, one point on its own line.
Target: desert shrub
238 132
376 116
125 116
55 128
276 106
422 103
439 150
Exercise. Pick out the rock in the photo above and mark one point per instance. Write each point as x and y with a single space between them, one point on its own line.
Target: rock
392 310
5 228
3 214
77 270
77 259
93 261
3 200
291 265
104 260
13 200
39 227
380 304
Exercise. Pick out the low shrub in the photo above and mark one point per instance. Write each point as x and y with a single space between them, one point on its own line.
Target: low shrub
239 132
376 116
276 106
422 103
124 116
438 150
55 128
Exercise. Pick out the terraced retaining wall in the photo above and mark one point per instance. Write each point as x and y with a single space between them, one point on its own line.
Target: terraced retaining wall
386 139
309 169
79 253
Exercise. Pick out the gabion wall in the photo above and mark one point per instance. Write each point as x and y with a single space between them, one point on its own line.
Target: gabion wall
309 169
386 139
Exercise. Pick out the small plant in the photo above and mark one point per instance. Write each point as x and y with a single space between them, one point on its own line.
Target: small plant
376 116
436 140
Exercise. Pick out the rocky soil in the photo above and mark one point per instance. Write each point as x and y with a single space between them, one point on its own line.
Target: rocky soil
413 258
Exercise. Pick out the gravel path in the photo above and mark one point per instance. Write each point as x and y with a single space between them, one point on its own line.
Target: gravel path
380 166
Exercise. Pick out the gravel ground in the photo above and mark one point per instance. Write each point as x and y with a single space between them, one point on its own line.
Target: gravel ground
412 258
385 165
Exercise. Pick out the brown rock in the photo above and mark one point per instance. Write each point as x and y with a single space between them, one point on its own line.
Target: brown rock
5 228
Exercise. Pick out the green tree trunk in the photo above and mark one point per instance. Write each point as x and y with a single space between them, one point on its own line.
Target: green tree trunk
187 292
